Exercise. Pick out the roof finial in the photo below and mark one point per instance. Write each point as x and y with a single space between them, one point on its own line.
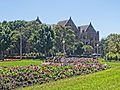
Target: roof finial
70 18
90 23
38 20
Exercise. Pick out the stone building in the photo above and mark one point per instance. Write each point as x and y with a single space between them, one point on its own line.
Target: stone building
89 36
85 33
70 23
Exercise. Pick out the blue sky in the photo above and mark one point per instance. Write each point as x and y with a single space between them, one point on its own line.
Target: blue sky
104 14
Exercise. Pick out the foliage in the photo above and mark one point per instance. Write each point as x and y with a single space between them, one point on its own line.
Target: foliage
37 38
78 48
43 39
14 77
5 38
102 47
111 47
47 40
104 80
113 43
111 56
88 49
63 34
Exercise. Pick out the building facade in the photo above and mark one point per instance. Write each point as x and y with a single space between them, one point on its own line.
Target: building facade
89 36
85 33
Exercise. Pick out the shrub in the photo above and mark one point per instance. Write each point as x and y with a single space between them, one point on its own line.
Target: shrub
111 56
14 77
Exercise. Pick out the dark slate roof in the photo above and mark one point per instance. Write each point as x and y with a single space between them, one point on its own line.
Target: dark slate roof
83 27
62 23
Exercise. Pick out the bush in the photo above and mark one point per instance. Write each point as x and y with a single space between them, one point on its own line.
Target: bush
113 57
14 77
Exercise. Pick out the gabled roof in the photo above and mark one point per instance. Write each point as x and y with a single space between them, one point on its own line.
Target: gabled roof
62 23
83 27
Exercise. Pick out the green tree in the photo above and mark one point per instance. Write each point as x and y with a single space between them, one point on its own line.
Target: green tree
113 43
64 34
78 49
102 46
18 27
43 39
88 49
29 31
5 37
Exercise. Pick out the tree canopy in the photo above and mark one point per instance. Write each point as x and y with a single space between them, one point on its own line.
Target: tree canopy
47 40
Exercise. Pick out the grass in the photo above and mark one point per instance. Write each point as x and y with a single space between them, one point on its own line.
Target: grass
24 62
103 80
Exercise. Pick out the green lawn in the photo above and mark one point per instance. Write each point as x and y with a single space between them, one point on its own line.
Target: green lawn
104 80
21 63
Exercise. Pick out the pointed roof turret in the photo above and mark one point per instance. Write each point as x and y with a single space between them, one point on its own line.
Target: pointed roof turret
90 23
38 20
70 18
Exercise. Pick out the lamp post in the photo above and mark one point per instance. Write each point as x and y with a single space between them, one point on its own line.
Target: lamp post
65 62
64 46
97 49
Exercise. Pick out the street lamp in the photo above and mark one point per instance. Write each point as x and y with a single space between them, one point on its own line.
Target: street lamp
64 46
97 49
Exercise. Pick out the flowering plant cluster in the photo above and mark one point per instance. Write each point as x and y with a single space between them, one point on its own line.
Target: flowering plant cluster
14 77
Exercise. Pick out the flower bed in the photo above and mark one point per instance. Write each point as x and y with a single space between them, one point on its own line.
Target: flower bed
14 77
